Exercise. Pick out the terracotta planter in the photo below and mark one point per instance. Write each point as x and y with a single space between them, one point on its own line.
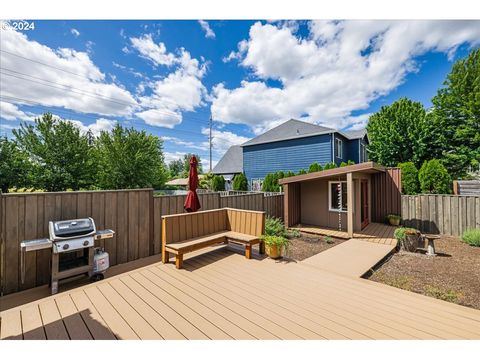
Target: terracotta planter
273 251
394 222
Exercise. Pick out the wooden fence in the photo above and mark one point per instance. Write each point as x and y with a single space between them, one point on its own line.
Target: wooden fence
386 194
441 214
134 215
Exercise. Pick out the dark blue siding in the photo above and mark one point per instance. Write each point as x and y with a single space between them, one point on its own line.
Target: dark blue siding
289 155
345 154
353 150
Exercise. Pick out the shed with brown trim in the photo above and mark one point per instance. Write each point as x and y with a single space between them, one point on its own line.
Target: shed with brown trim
346 198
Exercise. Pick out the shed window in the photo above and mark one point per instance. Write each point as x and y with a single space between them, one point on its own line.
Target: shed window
338 148
337 195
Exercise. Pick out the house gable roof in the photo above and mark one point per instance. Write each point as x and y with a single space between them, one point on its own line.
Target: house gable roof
354 134
291 129
231 162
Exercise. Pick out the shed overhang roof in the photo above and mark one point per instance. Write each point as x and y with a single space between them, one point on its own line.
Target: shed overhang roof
366 167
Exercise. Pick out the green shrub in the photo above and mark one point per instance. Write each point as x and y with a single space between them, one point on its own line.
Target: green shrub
218 183
328 240
348 163
301 172
472 237
410 185
314 167
273 240
393 217
434 178
289 173
240 182
275 227
330 165
401 233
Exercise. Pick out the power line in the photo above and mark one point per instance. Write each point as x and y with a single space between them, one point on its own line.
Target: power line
82 92
70 113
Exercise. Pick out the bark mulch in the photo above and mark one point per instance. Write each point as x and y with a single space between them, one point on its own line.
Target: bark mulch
453 275
308 245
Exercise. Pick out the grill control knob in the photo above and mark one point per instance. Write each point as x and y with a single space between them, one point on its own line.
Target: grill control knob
66 246
85 243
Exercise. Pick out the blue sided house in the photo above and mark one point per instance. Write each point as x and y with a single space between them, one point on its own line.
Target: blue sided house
291 146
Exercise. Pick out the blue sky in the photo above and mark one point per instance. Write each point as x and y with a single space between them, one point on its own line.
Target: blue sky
167 77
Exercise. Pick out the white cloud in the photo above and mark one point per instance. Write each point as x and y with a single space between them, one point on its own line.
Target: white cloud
78 86
156 53
188 144
9 111
181 90
75 32
342 66
161 117
98 126
209 34
222 140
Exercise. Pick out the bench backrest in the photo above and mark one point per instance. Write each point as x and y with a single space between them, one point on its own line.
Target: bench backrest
180 227
246 221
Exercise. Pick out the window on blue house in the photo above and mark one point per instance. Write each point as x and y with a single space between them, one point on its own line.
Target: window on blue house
363 153
338 148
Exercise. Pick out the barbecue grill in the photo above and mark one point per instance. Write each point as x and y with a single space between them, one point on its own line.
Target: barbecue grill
67 237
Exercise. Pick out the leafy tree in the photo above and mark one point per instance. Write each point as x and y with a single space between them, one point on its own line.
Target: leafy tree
205 182
61 156
410 185
240 182
176 167
129 158
457 114
402 132
314 167
218 183
330 165
186 164
267 184
434 178
15 167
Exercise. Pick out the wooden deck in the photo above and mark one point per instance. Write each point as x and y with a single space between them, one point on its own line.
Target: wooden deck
221 295
374 232
356 256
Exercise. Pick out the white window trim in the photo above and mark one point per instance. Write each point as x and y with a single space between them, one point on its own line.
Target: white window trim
330 197
340 151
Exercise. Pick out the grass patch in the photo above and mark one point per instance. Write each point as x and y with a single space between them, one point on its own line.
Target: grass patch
401 282
328 240
472 237
442 294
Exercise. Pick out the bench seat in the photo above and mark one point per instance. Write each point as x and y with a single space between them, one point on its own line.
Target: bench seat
184 233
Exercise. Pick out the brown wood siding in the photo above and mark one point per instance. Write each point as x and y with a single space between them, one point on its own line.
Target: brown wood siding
441 214
386 194
292 204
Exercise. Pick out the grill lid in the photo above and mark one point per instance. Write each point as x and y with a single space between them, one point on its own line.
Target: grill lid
70 228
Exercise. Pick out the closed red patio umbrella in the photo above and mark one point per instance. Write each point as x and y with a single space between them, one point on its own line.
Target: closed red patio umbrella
192 203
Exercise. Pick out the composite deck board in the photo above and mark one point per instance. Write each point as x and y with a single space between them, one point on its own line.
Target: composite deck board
95 323
406 318
52 321
222 295
342 311
74 324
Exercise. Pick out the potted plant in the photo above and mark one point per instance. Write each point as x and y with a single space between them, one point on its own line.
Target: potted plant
394 219
407 238
275 245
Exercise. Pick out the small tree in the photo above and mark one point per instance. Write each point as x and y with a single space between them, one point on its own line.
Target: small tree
218 183
410 183
176 167
240 182
267 183
434 178
15 167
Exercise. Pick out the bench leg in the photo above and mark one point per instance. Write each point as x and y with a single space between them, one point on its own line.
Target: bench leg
165 256
179 261
248 251
261 247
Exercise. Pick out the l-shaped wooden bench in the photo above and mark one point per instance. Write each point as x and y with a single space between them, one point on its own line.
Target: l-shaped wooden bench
184 233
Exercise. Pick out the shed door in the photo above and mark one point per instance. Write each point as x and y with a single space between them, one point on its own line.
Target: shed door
364 203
